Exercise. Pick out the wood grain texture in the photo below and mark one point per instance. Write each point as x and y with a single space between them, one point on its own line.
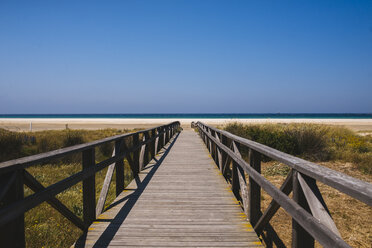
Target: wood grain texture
318 230
356 188
178 199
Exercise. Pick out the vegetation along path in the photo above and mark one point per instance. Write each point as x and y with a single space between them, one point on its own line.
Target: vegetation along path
179 199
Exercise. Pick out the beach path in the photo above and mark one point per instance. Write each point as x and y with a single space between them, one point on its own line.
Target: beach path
180 199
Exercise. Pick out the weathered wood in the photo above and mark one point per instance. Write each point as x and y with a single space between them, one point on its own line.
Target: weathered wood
12 210
316 203
119 165
164 137
35 186
318 230
105 188
254 188
136 156
235 183
89 187
242 182
153 146
15 209
25 162
12 234
180 201
273 207
6 183
351 186
300 237
142 155
219 155
156 145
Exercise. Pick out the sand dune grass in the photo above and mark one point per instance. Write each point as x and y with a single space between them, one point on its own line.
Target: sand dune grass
334 147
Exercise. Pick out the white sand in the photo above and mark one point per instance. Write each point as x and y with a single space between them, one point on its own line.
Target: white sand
23 124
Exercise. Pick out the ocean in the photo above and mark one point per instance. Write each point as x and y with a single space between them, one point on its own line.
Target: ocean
199 116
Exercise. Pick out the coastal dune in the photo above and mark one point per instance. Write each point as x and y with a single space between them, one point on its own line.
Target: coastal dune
38 124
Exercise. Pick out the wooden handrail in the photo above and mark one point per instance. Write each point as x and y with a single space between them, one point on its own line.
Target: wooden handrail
349 185
13 176
25 162
307 225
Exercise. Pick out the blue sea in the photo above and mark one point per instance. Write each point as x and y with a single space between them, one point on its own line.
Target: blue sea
199 116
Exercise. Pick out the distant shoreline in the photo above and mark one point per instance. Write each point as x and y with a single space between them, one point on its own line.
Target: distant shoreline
195 116
37 124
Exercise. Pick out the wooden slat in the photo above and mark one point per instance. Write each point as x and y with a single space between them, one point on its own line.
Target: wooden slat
242 182
273 207
183 200
351 186
142 154
89 187
35 186
105 187
25 162
219 155
13 233
254 188
6 183
317 207
318 230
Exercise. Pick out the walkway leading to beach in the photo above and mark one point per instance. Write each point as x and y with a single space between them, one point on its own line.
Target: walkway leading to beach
180 199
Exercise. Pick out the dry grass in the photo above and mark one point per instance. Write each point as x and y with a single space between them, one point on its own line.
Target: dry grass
353 218
46 227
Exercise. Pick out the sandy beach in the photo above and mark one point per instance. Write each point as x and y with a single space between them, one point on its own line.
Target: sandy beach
37 124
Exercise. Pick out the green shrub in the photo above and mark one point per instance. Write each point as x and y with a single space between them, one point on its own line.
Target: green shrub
72 138
310 141
10 144
305 140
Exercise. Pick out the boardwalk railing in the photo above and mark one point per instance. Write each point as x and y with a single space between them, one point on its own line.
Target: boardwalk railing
138 148
310 216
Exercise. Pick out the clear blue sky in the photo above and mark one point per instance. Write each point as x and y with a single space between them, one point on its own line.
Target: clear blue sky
185 56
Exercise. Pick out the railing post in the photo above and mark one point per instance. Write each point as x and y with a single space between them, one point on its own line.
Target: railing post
89 188
13 233
166 135
163 137
157 141
300 238
119 167
224 141
153 148
254 188
234 177
136 153
148 149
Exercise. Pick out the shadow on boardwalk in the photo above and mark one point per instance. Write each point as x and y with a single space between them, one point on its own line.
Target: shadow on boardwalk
131 199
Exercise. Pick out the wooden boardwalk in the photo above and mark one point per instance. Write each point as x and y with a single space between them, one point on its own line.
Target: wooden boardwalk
179 200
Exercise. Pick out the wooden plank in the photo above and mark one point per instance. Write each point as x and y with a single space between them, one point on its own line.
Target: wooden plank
243 183
142 154
12 234
182 200
254 188
153 144
300 237
219 155
319 231
25 162
105 187
316 203
89 188
356 188
35 186
273 207
6 183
